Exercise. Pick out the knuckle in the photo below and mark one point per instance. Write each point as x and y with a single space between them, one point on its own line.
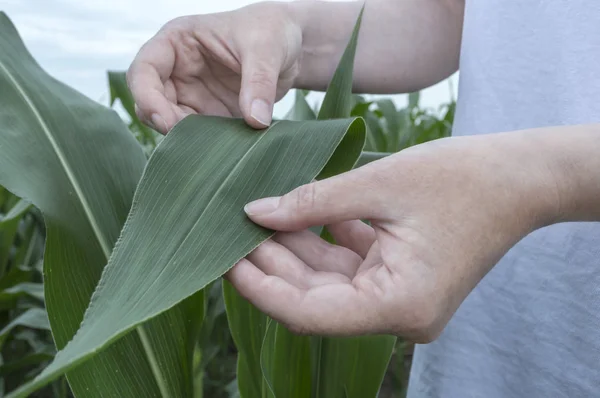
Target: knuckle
263 78
305 198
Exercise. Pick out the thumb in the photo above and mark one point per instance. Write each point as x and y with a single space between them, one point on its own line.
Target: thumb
348 196
260 73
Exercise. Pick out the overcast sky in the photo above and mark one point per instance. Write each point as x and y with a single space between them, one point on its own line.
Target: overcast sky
77 41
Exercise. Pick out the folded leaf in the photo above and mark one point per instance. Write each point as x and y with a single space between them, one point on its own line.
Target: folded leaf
187 226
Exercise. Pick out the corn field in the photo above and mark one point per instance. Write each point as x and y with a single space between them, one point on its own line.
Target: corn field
113 241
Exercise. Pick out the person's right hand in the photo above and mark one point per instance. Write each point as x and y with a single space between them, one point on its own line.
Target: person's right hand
235 63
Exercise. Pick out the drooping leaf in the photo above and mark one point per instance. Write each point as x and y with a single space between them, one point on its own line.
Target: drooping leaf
34 290
26 361
76 161
35 318
187 226
8 229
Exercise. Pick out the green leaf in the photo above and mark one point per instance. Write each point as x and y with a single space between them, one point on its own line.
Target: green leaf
368 157
300 110
35 318
187 225
354 364
286 362
247 326
28 360
413 99
117 83
8 229
77 162
392 123
34 290
375 132
338 100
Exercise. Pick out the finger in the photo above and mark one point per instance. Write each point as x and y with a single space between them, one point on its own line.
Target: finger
260 73
354 195
319 254
274 259
197 96
355 235
336 309
146 79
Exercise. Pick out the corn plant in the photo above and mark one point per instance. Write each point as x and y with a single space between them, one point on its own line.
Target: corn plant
134 247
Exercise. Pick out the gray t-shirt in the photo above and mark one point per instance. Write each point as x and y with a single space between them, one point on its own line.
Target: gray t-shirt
531 328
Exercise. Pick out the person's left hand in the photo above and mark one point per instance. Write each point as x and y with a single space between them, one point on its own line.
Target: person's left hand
442 214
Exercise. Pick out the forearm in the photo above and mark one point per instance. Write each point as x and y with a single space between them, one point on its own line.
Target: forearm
574 160
403 46
554 172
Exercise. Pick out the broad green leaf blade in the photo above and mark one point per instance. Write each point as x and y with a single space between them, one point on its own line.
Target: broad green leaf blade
187 226
338 100
77 162
354 366
300 110
35 318
247 326
286 362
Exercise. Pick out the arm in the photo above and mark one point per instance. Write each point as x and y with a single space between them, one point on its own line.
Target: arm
239 63
403 46
442 215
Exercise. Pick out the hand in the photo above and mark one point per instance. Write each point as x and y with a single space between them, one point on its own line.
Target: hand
228 64
442 214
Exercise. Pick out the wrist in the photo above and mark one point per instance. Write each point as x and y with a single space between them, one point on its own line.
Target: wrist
556 170
573 157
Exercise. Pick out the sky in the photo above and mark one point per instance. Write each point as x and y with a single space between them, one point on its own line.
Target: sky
77 41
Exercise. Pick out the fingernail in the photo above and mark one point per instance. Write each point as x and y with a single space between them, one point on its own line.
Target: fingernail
261 112
262 207
159 122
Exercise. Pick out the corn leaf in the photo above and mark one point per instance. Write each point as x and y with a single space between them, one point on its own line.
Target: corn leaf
35 318
77 162
286 362
368 157
247 326
117 83
351 368
187 226
8 229
338 99
300 110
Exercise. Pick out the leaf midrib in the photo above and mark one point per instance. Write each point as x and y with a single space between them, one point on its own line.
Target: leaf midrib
217 191
63 161
102 241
